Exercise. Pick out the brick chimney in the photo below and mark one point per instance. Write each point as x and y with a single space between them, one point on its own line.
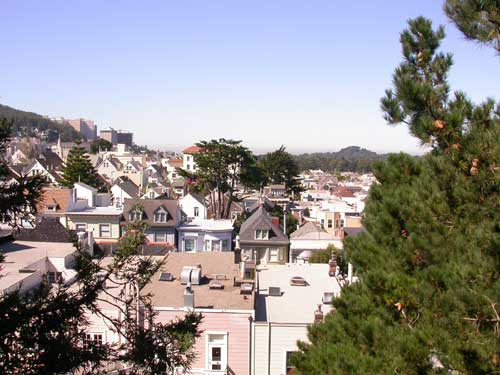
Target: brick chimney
318 315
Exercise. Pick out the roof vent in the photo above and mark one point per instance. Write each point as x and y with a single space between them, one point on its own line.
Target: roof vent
191 275
328 298
166 276
274 291
298 281
246 288
214 284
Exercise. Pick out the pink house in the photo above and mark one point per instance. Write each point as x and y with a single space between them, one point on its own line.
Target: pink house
209 283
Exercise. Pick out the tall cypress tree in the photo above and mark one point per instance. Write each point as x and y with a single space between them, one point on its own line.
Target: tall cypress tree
79 168
429 264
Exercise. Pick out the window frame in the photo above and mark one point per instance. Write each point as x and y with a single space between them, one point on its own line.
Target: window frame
101 231
80 224
285 359
185 242
160 236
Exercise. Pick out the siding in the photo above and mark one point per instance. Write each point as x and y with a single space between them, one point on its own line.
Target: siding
238 327
284 338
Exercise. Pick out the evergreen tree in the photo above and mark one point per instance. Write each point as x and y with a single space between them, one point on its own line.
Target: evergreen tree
280 167
429 264
479 20
79 168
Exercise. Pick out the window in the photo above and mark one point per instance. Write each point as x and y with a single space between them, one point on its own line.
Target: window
274 255
330 223
207 245
261 234
160 237
92 339
216 351
54 277
80 227
152 194
215 245
104 230
105 164
189 244
322 223
135 215
289 369
52 208
225 245
196 211
160 216
188 167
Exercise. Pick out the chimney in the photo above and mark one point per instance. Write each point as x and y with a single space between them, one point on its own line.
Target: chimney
318 315
275 220
332 266
189 297
237 250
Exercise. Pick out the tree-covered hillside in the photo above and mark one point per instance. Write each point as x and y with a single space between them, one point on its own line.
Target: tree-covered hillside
352 158
29 123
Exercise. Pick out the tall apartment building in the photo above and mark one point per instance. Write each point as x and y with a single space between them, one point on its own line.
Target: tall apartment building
124 137
87 128
109 135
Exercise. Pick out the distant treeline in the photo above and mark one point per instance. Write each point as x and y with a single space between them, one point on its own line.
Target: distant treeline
352 159
25 124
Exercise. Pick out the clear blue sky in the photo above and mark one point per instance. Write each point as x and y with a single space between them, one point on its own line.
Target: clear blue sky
304 73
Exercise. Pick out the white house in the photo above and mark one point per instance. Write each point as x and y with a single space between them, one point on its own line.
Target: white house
188 162
205 236
193 206
290 297
122 190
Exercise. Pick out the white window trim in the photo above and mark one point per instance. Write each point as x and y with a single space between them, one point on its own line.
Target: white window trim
224 354
285 350
100 231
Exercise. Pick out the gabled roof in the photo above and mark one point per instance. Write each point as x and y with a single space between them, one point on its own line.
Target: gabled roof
47 230
128 187
260 219
58 197
50 160
311 231
192 150
113 161
197 197
85 186
149 207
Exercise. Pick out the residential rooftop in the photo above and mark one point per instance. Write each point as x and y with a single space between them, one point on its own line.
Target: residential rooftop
296 303
21 255
208 225
220 266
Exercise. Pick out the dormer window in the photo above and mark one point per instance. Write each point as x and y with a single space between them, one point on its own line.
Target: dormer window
262 234
161 216
52 207
135 215
106 164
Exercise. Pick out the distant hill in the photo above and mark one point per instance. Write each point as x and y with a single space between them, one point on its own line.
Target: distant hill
31 124
352 158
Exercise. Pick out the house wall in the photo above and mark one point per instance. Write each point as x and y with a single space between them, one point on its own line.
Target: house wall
188 204
236 324
261 254
170 234
202 236
270 342
93 226
119 196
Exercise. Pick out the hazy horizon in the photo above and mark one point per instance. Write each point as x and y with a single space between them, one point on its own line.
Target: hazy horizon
307 76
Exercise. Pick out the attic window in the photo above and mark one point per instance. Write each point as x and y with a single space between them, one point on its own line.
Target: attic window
52 207
261 234
135 215
161 216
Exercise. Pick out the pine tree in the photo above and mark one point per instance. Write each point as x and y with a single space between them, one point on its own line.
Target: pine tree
429 264
280 167
79 168
479 20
